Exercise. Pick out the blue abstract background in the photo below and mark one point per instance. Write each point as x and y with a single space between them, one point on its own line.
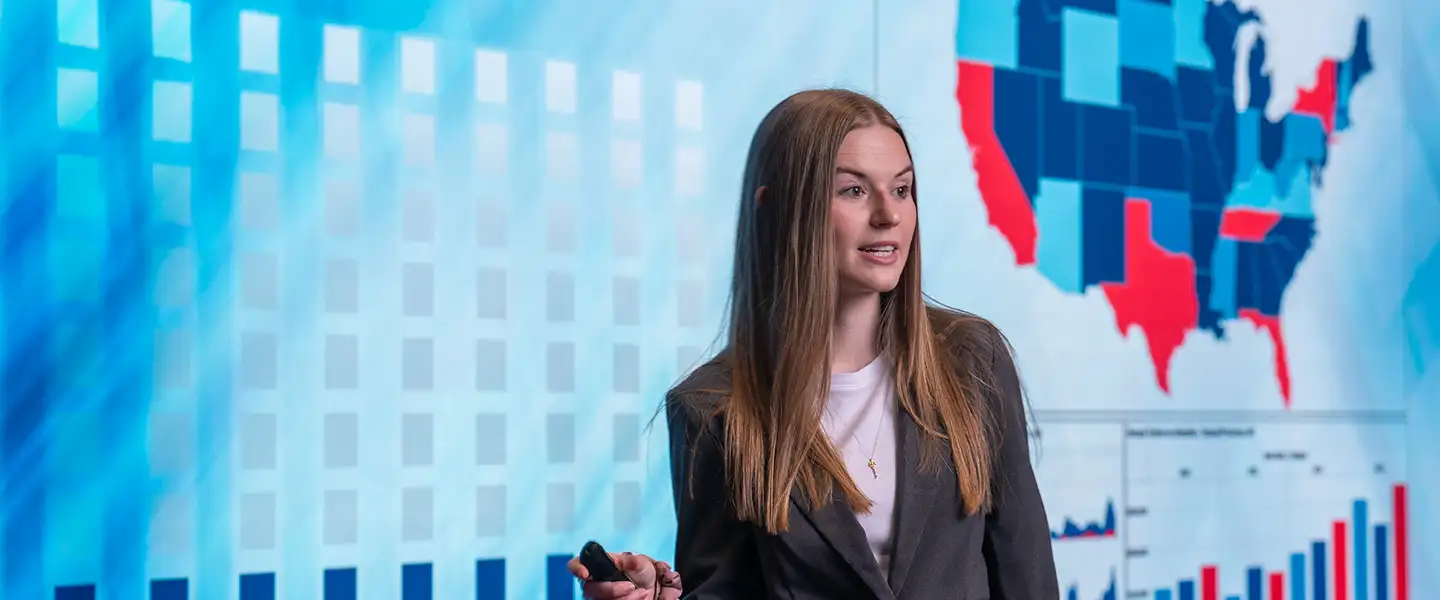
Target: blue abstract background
367 299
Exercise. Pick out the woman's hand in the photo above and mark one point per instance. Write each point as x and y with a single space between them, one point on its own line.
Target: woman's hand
652 579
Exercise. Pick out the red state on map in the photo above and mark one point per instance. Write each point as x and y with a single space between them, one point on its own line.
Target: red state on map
1271 325
1159 293
1008 205
1247 224
1320 101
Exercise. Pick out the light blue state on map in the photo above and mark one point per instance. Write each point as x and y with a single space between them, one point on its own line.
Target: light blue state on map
1059 249
1092 57
1304 150
1147 37
1260 192
1190 47
988 33
1286 191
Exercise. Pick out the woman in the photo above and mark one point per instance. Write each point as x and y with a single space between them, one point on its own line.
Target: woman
851 440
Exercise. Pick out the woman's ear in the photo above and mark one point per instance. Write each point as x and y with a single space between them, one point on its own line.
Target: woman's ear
760 191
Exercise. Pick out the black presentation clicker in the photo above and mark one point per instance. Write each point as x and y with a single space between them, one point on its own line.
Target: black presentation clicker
597 561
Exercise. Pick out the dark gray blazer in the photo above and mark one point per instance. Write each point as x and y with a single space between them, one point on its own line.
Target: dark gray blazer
938 553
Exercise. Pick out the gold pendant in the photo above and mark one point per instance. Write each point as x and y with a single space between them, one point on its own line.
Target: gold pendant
871 464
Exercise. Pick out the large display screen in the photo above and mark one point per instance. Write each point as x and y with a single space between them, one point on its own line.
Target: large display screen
374 299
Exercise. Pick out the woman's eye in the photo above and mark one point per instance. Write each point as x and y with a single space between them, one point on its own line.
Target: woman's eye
903 191
853 191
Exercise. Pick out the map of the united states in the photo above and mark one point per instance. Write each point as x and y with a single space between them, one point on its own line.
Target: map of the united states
1110 152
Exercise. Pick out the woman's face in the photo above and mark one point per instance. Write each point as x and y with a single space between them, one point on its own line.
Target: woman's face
872 210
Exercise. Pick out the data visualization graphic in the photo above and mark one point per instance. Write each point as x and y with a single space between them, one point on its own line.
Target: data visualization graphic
1080 470
363 299
1108 159
1189 211
1073 592
1212 510
1233 510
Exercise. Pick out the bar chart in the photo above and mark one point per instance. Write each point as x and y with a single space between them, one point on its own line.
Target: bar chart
1349 568
416 583
1320 522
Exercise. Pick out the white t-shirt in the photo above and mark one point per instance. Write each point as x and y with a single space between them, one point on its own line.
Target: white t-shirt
860 420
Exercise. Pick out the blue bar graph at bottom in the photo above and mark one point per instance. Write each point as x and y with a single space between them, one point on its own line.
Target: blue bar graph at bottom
416 583
1187 589
257 586
1317 558
340 584
559 583
75 592
1162 595
490 579
169 589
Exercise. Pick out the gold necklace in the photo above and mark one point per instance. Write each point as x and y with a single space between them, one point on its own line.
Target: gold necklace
874 445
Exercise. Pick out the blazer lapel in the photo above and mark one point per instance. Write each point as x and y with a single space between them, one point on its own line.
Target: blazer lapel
838 525
916 499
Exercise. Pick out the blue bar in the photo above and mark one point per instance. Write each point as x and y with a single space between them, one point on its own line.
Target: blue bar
1162 594
257 586
1362 565
1317 556
417 582
1297 576
559 583
1253 579
340 584
169 589
490 579
75 592
1232 598
1187 589
1382 563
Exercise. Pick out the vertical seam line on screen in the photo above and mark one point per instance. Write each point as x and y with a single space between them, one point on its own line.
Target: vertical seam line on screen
875 48
1123 520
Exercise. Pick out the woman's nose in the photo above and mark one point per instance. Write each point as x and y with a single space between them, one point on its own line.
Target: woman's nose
883 214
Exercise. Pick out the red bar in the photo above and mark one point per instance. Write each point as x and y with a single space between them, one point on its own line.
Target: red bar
1209 583
1277 586
1342 591
1402 555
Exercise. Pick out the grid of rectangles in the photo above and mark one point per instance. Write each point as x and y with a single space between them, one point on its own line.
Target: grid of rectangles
431 336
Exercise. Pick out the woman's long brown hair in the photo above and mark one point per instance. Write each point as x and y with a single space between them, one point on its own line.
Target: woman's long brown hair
782 306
